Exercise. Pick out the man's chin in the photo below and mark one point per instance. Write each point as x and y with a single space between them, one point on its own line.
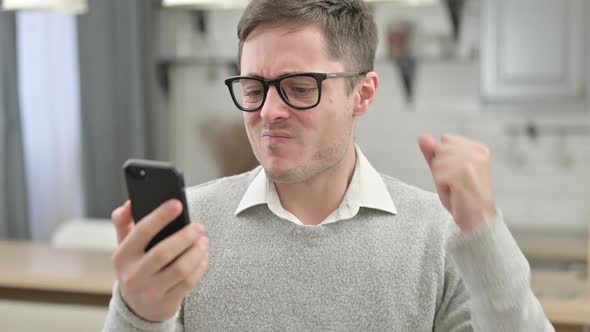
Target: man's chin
278 175
282 175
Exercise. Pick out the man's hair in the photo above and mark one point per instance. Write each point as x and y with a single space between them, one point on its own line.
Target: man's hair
348 26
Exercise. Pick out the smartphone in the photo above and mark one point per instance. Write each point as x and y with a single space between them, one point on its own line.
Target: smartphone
151 183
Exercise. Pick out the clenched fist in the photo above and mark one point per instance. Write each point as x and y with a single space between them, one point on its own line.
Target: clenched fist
461 169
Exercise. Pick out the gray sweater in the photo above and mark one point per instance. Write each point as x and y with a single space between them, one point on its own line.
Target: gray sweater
413 271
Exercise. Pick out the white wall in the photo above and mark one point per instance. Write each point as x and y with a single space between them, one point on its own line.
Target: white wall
540 194
49 100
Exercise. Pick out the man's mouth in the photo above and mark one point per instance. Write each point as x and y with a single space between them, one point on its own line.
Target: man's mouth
276 134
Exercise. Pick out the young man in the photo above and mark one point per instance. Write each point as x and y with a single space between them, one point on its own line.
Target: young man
315 239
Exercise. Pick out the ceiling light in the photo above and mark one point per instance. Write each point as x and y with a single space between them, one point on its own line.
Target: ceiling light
206 4
70 6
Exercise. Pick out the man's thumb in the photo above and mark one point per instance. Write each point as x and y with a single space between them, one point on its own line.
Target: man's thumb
427 145
123 221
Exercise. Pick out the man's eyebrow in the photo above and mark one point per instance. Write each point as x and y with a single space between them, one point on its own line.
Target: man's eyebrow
282 74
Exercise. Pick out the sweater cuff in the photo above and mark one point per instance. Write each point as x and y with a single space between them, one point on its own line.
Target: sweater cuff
489 259
125 314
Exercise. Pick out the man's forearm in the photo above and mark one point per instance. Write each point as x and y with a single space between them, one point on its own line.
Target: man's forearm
497 276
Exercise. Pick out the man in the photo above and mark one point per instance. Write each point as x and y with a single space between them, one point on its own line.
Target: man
315 239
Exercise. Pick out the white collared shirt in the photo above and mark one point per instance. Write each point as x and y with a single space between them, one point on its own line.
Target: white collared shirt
366 189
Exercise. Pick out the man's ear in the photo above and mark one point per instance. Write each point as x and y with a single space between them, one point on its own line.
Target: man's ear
365 93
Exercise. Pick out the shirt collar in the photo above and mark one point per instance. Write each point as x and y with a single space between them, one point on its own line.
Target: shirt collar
371 191
366 189
256 194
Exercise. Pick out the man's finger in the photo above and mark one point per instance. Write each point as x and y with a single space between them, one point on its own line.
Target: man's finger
169 249
145 230
183 287
452 138
123 221
427 146
184 266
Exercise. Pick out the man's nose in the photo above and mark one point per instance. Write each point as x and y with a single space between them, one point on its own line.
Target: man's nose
274 107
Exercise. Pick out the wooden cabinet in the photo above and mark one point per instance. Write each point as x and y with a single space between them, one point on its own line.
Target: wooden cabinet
568 328
534 50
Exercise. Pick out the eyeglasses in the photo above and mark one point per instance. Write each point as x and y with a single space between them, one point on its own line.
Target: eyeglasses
300 91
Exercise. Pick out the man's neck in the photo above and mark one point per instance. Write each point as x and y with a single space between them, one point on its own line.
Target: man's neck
314 200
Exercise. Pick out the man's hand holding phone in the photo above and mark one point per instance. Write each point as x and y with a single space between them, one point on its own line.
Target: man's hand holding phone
154 283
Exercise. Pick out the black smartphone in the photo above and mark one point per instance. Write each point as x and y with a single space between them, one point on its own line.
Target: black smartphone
151 183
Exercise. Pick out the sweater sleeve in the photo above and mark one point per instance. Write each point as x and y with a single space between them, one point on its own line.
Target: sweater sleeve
496 278
121 319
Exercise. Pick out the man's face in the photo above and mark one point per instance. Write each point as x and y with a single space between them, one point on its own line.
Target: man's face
293 146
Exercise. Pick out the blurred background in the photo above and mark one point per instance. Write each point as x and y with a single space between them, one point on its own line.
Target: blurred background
87 84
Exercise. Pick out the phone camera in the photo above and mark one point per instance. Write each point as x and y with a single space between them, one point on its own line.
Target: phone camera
136 173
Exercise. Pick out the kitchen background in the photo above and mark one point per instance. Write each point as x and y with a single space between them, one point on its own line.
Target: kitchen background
541 181
141 78
149 83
